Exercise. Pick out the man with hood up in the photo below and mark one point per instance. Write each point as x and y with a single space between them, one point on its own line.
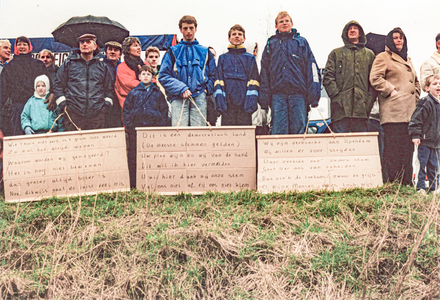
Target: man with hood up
346 79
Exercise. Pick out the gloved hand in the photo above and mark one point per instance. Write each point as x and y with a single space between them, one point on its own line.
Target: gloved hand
51 103
28 130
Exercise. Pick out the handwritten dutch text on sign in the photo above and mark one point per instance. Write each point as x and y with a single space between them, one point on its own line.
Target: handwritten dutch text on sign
316 162
61 164
196 159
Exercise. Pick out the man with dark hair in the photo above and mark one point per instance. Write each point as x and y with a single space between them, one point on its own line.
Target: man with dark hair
152 56
84 87
432 65
346 80
113 52
290 80
187 74
237 81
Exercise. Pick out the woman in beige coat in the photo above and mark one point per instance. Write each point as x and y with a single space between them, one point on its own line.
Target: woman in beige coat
394 77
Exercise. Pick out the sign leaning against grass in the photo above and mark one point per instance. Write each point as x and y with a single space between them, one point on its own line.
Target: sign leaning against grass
65 164
318 162
196 159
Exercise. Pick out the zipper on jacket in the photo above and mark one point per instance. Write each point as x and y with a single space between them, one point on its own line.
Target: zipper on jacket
87 88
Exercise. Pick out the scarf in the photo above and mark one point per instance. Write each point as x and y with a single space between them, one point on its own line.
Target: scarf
133 63
389 42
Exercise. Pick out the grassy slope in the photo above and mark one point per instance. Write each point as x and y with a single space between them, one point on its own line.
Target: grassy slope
318 245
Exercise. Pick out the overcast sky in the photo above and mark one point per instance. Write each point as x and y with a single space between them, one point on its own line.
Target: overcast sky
319 21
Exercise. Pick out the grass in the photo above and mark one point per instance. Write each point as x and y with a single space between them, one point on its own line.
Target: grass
355 244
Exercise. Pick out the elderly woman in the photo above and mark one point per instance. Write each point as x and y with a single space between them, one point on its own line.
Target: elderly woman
127 75
394 77
17 85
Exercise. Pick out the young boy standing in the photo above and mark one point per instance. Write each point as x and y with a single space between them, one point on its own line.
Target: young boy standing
237 86
188 70
145 106
424 129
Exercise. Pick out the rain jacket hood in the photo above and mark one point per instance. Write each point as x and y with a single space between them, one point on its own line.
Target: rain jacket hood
15 45
362 37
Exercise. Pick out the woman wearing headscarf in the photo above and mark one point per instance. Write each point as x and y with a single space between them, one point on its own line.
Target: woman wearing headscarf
394 77
17 85
127 74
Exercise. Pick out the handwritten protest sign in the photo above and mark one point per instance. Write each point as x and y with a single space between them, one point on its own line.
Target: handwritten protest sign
196 159
61 164
317 162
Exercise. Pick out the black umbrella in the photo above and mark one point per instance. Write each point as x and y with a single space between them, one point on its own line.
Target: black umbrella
104 29
376 42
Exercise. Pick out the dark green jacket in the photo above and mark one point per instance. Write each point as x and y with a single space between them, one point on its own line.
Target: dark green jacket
346 78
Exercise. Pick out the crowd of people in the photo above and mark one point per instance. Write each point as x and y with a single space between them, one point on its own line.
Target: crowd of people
93 90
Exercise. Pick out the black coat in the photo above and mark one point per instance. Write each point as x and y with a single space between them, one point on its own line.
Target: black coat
17 84
85 85
425 122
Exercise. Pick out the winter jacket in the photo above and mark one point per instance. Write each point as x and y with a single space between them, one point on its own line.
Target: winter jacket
288 67
84 85
52 73
429 67
391 72
126 80
346 78
425 122
36 116
187 65
17 84
236 80
145 107
35 113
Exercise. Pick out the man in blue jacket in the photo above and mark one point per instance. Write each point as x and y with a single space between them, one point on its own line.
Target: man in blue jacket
188 70
237 81
290 80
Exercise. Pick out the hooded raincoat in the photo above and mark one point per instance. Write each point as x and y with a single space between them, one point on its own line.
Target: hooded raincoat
346 78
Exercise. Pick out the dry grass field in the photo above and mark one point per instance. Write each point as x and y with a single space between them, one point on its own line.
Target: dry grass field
355 244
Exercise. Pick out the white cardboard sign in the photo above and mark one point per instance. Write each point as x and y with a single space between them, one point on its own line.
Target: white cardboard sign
65 164
196 159
318 161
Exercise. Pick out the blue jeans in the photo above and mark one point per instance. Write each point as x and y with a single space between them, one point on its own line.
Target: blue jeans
428 158
289 114
190 116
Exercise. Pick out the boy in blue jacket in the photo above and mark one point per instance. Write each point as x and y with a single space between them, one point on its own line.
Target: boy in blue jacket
290 80
424 129
145 106
188 70
237 84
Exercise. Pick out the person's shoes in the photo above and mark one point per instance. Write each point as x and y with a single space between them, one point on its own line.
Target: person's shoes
421 191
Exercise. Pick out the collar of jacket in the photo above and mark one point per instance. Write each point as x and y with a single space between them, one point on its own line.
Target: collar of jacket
236 49
436 57
195 42
287 35
354 46
77 55
398 58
